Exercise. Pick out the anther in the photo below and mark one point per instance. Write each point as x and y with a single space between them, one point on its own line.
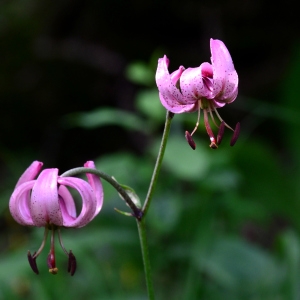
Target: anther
235 134
190 140
32 262
220 133
72 264
213 145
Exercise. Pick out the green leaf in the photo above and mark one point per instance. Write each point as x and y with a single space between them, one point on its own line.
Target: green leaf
104 117
149 104
132 194
139 72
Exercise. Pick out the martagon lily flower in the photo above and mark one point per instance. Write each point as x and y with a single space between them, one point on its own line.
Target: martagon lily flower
47 202
207 87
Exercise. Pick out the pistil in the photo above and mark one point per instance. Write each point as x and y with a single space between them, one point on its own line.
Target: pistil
51 256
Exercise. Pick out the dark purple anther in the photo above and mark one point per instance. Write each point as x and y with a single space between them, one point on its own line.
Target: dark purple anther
32 262
190 140
220 133
72 264
213 145
236 134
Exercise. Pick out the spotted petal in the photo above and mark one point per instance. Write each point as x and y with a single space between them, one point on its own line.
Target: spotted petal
225 78
170 96
194 85
44 205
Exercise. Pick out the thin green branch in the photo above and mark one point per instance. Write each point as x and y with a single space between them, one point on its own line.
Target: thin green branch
81 170
162 148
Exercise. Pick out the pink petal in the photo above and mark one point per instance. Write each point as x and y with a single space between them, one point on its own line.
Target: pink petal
96 184
175 76
177 108
192 86
19 203
89 202
225 77
170 95
44 204
31 172
67 200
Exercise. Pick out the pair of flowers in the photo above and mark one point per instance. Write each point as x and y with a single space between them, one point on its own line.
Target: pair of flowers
47 202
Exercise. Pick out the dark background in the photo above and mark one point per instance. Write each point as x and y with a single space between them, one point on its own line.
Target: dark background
71 56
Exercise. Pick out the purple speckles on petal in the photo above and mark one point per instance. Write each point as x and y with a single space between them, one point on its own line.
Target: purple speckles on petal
206 88
217 81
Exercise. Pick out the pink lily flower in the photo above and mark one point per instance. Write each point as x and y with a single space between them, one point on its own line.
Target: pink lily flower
47 202
207 87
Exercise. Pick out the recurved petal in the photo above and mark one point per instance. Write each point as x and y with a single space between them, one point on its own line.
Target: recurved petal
175 76
96 184
30 173
170 94
177 108
19 203
89 202
225 77
44 204
67 199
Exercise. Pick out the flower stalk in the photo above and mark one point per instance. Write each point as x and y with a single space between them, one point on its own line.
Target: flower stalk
161 152
146 260
81 170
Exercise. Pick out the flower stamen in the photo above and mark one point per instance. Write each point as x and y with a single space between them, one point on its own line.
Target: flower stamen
236 134
220 133
32 262
61 242
198 117
72 264
190 140
37 253
219 117
188 136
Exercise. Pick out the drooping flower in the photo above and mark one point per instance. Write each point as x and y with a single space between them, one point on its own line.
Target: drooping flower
47 202
207 87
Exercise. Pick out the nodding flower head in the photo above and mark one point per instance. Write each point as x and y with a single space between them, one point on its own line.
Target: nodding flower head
207 87
47 202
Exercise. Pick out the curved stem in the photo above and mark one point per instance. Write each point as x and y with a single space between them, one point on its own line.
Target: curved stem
161 152
81 170
146 260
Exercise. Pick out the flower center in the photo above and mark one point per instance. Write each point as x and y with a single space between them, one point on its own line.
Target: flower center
208 108
51 261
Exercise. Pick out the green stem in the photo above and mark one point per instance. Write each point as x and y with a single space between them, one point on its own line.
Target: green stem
145 254
141 223
81 170
163 144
